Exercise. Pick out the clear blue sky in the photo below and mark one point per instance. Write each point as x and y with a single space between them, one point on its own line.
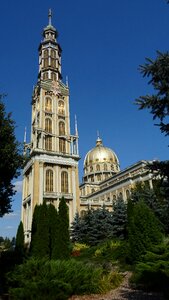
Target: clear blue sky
103 42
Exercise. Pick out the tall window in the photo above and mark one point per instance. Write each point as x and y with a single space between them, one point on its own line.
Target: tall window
61 128
48 125
48 143
127 194
46 58
53 59
49 181
48 104
53 76
97 168
64 182
105 167
62 146
61 109
45 75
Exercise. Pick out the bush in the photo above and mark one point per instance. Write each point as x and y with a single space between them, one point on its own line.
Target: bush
153 272
40 279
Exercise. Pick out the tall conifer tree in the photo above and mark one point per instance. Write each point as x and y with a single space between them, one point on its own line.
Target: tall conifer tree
62 245
19 244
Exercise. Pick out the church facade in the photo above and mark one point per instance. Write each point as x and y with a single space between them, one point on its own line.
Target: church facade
51 167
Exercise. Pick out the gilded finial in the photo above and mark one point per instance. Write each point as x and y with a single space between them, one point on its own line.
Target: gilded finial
50 16
99 140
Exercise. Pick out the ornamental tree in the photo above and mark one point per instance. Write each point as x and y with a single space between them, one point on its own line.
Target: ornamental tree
10 159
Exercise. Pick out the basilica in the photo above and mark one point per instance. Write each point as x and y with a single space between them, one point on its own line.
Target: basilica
52 155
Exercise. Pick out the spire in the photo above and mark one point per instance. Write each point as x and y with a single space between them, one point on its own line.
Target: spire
67 81
50 17
76 131
24 136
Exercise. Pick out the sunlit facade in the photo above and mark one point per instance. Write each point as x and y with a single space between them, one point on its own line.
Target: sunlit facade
51 170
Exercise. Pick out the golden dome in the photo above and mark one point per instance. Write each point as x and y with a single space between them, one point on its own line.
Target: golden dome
101 154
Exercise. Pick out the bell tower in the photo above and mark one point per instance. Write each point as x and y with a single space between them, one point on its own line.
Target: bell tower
51 168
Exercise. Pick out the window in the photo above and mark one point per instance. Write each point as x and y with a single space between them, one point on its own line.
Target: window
48 143
53 59
61 128
62 146
112 167
53 76
64 182
48 125
105 167
48 104
114 197
97 168
49 181
120 195
45 75
61 109
99 177
91 168
46 58
127 194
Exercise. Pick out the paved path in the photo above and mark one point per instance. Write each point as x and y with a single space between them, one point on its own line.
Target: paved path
123 292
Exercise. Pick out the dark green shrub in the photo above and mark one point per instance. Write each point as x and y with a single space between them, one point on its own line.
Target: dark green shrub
40 279
152 276
143 230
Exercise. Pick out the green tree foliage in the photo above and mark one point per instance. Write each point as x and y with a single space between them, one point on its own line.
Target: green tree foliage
157 103
143 230
76 228
10 159
119 216
53 230
62 242
40 232
155 198
19 244
95 227
153 272
50 232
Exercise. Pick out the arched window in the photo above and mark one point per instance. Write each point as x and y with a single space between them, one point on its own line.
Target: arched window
114 197
62 146
91 168
49 181
97 168
48 125
61 128
105 167
46 58
120 195
61 107
45 75
92 178
64 182
48 104
48 143
53 76
127 194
